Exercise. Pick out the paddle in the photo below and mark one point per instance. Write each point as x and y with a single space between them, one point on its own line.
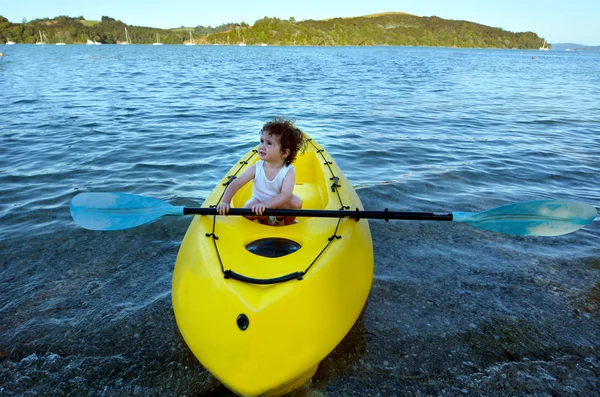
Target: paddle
117 211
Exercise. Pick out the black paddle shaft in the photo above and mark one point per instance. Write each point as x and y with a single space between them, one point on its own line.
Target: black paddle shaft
353 214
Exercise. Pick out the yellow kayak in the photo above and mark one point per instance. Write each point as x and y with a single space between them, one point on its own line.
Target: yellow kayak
260 306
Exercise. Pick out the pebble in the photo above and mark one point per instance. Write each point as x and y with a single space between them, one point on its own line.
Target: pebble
32 358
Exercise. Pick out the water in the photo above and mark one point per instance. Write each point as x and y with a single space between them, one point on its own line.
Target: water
414 129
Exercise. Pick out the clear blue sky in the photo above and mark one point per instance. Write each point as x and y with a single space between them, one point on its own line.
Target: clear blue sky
559 21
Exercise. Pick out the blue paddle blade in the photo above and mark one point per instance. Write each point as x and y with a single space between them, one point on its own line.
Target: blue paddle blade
532 218
117 211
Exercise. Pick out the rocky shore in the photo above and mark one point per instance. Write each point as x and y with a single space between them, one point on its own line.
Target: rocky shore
452 312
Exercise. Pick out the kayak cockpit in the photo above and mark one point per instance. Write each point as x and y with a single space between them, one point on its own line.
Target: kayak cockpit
310 185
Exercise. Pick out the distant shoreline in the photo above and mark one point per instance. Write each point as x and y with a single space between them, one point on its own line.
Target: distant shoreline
578 49
386 29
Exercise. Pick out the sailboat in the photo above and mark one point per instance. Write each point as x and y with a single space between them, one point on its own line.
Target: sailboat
41 42
157 40
60 42
543 47
191 42
126 38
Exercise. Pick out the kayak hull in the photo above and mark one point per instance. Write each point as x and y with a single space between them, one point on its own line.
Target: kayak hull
261 324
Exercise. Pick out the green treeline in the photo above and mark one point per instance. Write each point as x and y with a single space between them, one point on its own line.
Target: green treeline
78 31
382 29
386 29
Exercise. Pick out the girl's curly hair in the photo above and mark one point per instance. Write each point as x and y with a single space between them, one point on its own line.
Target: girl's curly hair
290 136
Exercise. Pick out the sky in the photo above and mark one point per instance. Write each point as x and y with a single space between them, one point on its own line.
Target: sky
558 21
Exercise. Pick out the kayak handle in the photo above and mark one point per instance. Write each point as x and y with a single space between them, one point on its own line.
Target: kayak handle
263 281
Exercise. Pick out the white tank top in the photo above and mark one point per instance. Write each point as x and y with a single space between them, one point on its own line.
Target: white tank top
262 188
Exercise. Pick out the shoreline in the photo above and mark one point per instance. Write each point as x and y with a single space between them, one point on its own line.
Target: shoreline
373 359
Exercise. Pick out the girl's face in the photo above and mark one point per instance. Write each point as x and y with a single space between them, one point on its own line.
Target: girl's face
269 149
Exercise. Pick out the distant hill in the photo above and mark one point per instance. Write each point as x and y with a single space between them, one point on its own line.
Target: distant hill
386 13
574 47
394 29
374 15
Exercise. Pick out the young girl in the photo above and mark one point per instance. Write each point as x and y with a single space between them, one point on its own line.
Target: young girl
273 175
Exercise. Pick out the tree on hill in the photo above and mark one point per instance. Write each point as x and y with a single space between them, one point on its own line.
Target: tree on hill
378 29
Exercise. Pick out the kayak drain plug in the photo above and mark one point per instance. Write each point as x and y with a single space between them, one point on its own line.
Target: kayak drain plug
242 322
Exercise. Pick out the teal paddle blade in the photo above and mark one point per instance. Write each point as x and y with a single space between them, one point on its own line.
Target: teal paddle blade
532 218
117 211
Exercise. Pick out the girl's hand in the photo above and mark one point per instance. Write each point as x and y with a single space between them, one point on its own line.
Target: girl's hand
223 208
259 208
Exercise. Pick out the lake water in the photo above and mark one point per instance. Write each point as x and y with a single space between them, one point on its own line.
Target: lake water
414 129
